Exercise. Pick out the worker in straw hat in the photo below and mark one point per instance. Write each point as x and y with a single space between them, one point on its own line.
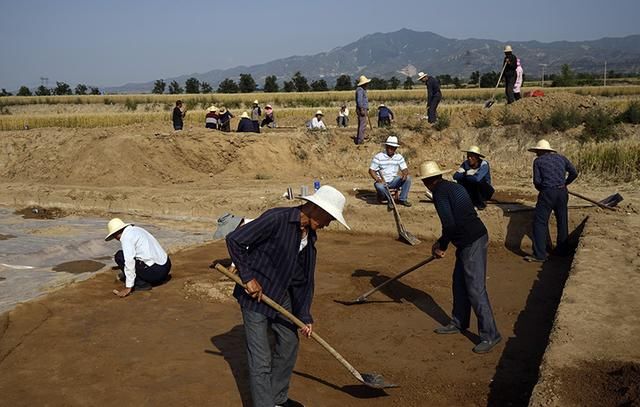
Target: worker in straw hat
276 255
246 125
462 227
434 96
211 118
224 118
142 260
552 173
510 64
362 108
256 113
385 115
389 167
474 175
316 122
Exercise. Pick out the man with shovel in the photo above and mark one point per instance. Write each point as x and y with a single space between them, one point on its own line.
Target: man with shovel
552 173
276 255
362 108
390 168
510 64
462 227
434 96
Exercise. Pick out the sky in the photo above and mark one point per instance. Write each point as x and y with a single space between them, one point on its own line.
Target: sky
114 42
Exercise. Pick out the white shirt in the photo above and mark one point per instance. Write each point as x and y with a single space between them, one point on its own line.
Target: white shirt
317 124
344 113
138 244
388 166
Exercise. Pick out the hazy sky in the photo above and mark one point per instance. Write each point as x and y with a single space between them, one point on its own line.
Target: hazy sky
112 42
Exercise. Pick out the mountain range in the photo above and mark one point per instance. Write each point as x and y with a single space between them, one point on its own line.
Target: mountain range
405 52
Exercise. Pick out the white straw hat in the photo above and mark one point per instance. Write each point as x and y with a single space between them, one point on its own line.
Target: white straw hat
507 48
430 169
319 112
212 108
331 201
255 102
268 107
474 150
543 145
114 226
245 115
392 141
421 75
381 105
363 80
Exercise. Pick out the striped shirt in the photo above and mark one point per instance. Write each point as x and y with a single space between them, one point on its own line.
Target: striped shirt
269 250
550 171
460 222
388 166
362 101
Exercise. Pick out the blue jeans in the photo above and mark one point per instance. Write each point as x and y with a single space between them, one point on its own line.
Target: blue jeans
470 289
396 183
269 375
555 200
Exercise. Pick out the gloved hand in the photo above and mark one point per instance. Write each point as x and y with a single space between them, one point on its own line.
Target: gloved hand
461 170
471 171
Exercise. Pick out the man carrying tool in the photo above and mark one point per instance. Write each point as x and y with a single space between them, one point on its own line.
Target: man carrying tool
276 255
434 96
510 64
552 173
389 163
474 175
462 227
362 108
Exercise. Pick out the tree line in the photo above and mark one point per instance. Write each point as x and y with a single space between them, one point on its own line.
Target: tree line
60 89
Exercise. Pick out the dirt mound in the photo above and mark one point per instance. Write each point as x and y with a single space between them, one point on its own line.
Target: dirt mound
538 108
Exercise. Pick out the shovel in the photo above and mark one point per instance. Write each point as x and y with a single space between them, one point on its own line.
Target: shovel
363 297
611 201
491 101
402 232
370 379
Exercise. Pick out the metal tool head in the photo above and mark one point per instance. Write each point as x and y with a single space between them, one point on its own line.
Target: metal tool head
489 103
376 381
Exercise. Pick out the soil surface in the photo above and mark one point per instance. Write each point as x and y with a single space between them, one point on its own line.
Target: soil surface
38 212
79 266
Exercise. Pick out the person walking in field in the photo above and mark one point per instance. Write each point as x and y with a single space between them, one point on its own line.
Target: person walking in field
224 119
510 64
211 118
462 227
385 116
246 125
343 116
362 108
390 168
178 116
474 175
552 173
276 255
519 78
434 96
256 113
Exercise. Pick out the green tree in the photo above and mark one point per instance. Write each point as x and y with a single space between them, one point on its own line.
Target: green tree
319 86
393 82
81 89
24 91
489 79
408 83
301 82
289 86
566 78
246 83
343 83
271 84
43 91
5 93
94 91
205 87
474 78
378 83
62 89
192 85
174 88
445 79
456 82
228 86
159 86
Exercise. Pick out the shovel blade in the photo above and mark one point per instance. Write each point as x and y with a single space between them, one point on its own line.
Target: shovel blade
376 381
409 238
613 200
489 103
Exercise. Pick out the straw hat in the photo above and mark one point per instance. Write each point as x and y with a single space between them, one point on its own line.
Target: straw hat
392 141
212 108
381 106
268 107
255 102
331 200
430 169
363 80
422 75
245 115
543 145
114 226
227 223
507 48
319 112
222 110
474 150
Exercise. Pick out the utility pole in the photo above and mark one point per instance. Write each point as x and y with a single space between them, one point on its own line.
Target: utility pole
605 73
542 81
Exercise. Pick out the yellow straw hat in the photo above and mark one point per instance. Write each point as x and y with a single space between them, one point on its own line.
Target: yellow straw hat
542 145
363 80
430 169
474 150
114 226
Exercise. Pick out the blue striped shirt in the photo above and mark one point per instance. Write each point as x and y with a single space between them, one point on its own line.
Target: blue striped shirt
460 222
267 249
550 171
362 101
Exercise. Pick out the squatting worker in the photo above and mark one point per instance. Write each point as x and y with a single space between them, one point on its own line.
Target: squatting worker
395 173
462 227
510 63
552 173
276 255
474 175
362 108
434 96
142 259
178 116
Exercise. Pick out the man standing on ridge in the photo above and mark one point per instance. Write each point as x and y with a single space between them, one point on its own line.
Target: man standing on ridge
510 64
362 108
434 96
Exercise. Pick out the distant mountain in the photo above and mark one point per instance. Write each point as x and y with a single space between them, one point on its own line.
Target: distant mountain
405 52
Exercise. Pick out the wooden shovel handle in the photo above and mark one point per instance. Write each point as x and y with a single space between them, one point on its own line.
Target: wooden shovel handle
591 200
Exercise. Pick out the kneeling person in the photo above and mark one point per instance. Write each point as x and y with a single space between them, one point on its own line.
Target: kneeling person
388 163
474 175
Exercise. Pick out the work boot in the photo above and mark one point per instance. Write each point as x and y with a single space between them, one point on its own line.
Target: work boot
533 259
447 330
486 346
405 203
290 403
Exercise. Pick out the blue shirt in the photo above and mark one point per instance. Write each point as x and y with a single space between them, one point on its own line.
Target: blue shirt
361 98
268 249
550 171
482 175
433 88
384 112
460 222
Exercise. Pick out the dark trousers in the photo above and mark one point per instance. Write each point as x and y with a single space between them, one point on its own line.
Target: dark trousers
154 275
384 121
510 81
470 290
555 200
480 192
270 373
517 96
432 112
177 126
362 126
342 121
